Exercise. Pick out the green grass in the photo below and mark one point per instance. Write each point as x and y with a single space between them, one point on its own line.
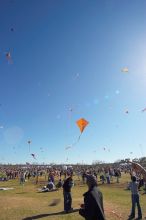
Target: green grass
25 201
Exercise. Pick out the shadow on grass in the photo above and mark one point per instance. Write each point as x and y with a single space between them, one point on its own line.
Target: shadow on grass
47 215
21 193
55 190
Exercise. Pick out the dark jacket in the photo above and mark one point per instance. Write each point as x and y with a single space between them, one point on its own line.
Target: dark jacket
93 202
68 183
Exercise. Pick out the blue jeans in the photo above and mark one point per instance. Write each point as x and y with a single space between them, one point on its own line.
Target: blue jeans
108 180
67 201
135 200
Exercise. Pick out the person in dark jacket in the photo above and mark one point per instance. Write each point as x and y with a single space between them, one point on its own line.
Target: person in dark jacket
68 183
92 209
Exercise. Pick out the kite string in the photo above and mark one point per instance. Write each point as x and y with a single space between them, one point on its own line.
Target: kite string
77 140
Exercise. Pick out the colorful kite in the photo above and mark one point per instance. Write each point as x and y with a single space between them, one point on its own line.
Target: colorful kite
82 123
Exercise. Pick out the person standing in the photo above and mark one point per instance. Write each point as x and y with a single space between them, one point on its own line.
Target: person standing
67 185
22 177
135 199
92 209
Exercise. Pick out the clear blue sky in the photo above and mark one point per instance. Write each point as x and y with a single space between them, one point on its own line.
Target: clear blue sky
69 55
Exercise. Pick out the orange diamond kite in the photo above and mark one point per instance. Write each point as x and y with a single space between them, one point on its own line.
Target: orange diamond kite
82 123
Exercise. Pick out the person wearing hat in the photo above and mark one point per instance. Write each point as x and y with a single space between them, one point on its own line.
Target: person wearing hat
92 209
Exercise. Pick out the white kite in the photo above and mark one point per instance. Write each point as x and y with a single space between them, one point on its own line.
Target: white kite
125 70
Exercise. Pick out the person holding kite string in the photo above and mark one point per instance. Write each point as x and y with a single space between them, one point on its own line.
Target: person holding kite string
135 198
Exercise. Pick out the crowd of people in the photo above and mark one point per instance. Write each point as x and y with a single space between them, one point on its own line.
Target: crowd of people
58 177
8 172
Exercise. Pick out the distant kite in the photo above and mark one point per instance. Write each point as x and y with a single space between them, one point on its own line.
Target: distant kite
67 147
12 29
76 76
125 70
29 142
127 112
41 149
33 155
144 110
8 57
70 109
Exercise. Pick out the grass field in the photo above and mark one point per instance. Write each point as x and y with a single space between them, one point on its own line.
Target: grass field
25 203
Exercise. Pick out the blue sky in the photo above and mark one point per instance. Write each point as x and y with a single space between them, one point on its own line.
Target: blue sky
66 61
